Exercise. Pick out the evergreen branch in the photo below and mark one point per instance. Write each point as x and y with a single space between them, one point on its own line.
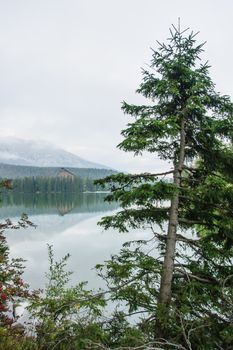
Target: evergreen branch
152 174
198 278
181 238
192 222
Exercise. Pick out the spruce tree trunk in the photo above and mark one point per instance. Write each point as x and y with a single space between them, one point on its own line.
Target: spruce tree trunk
168 264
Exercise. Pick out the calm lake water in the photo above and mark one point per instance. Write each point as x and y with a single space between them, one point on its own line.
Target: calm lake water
69 223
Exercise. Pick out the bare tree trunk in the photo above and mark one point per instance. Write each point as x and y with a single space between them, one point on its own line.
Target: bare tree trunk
168 264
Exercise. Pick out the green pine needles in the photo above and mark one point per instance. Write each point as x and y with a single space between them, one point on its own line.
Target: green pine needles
181 279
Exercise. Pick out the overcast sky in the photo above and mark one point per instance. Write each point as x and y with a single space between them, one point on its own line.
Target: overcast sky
66 66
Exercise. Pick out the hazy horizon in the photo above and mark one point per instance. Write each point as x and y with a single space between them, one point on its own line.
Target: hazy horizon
66 66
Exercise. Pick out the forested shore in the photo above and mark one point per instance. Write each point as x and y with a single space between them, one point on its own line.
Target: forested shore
43 184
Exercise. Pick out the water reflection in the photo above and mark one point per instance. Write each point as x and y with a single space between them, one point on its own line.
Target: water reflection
13 204
69 223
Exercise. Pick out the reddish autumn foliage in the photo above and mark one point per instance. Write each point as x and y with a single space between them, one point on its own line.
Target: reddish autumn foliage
12 287
3 296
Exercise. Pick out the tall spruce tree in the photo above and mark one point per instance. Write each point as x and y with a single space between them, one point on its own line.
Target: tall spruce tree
190 125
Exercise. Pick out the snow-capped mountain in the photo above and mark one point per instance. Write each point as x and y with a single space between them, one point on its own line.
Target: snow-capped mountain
41 154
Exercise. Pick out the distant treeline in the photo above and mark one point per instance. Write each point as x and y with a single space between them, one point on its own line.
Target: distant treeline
53 185
28 179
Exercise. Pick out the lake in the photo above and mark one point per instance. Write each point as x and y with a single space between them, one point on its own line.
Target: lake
69 223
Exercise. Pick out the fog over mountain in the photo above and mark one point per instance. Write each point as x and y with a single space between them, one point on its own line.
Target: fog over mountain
41 154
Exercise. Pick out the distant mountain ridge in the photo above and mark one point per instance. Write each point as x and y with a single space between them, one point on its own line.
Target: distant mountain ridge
16 151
